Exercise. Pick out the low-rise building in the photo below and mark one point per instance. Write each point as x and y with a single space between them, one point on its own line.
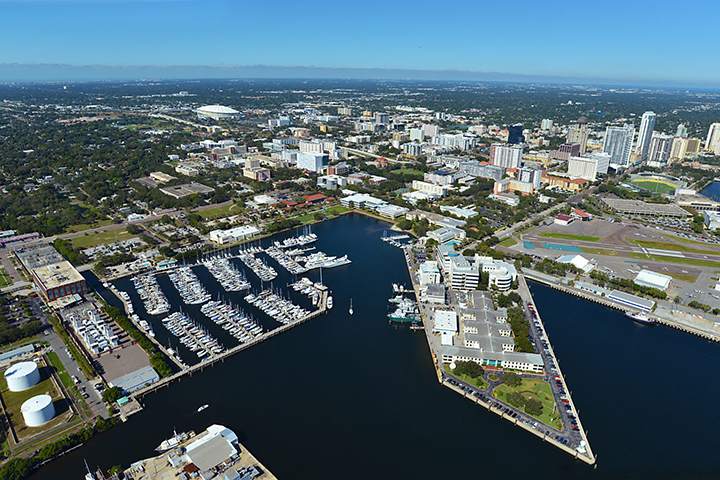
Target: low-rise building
232 235
445 234
446 324
712 219
429 273
648 278
187 170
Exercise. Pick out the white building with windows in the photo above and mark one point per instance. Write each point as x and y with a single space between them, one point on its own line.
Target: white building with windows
618 143
506 156
312 161
232 235
445 323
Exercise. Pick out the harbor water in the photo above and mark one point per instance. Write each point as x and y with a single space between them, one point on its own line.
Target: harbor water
353 397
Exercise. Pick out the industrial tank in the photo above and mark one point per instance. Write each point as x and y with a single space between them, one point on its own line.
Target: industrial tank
22 376
38 410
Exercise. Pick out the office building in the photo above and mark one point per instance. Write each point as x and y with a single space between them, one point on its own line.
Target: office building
565 151
506 156
583 167
713 139
578 133
660 150
417 134
682 147
618 143
312 162
546 125
647 125
681 131
440 190
382 118
529 175
430 130
477 169
515 134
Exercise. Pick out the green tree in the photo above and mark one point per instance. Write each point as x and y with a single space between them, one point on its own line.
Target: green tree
533 407
512 379
111 394
471 369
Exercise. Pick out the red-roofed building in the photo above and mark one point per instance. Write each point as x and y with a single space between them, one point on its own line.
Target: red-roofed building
584 216
564 220
381 162
314 198
288 204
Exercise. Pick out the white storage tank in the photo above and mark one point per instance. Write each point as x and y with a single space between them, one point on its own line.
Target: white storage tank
22 376
38 410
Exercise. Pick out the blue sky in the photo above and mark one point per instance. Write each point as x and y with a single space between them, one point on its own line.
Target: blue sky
625 40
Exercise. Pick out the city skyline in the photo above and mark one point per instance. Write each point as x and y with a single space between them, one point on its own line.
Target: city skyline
81 40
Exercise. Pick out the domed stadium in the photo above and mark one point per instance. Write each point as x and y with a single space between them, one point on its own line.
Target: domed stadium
217 112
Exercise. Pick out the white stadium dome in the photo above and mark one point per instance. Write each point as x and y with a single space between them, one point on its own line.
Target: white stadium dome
38 410
217 112
22 376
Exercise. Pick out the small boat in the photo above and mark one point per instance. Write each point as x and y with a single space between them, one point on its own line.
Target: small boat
641 318
200 409
351 309
89 475
329 303
171 442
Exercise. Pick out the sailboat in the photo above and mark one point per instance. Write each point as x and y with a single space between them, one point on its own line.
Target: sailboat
351 309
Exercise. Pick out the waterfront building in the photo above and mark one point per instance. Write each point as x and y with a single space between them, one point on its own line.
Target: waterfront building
647 278
578 134
434 293
446 324
464 275
391 211
647 125
659 152
232 235
428 273
631 300
506 156
445 234
618 143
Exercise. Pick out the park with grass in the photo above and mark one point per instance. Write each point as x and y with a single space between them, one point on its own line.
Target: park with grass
5 279
101 238
508 242
570 236
468 373
218 212
531 395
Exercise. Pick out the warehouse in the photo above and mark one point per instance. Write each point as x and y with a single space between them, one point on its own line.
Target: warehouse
646 278
631 300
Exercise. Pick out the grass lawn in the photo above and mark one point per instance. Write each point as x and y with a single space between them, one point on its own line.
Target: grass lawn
655 187
670 246
570 236
681 276
410 171
600 251
683 261
508 242
87 226
64 376
681 239
101 238
5 279
218 212
478 382
329 212
540 390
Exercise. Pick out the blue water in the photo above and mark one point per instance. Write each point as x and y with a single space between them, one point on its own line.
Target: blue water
712 191
529 245
344 397
562 248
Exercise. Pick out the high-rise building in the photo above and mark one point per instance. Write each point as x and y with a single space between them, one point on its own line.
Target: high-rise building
431 130
565 151
647 125
529 175
382 118
681 131
515 134
578 133
507 156
603 161
311 161
589 166
417 134
546 124
713 139
682 147
659 152
618 143
344 111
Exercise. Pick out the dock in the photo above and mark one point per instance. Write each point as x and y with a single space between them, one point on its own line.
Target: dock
587 456
711 333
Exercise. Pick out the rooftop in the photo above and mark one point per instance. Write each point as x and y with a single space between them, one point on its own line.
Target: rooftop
57 275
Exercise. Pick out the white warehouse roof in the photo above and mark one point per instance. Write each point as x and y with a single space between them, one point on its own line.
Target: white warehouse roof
445 321
578 260
646 278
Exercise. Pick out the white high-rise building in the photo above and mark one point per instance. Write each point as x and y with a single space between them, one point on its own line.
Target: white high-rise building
660 149
647 125
529 175
713 139
311 161
603 161
618 143
507 156
417 134
583 167
546 125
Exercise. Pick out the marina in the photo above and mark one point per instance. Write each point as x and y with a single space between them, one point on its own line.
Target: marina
227 274
233 320
150 293
192 335
188 285
277 307
260 268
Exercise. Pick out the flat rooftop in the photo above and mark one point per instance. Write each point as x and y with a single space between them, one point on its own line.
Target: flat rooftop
637 207
180 191
57 275
38 255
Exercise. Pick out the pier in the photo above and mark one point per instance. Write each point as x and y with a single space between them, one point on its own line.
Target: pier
589 296
587 456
